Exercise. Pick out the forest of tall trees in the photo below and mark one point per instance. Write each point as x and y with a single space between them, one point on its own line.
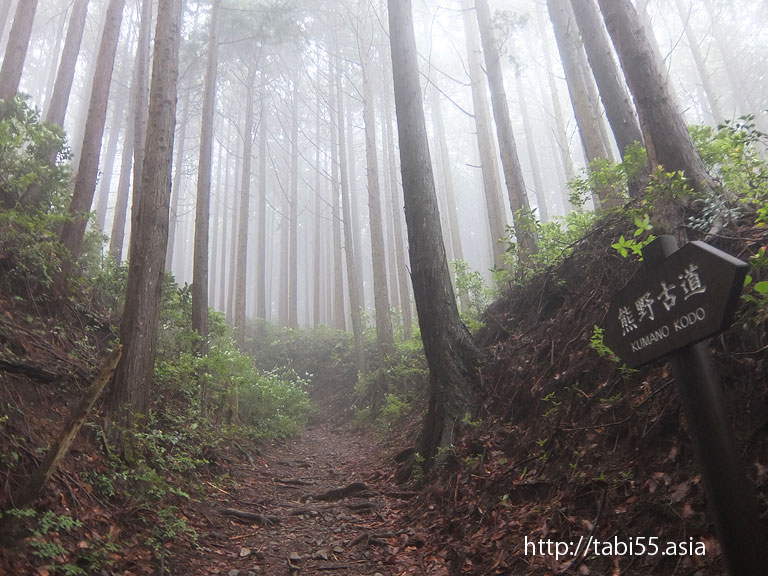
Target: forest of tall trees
374 168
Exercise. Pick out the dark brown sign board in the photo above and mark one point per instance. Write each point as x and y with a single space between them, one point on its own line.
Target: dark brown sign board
681 297
690 296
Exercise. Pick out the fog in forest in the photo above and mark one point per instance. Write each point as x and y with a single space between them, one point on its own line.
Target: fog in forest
290 56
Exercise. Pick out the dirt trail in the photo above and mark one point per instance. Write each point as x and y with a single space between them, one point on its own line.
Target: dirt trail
356 534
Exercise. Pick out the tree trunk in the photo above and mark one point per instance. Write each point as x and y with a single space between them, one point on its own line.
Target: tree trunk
384 336
178 168
139 324
355 207
203 204
401 263
568 44
617 103
54 57
339 319
560 137
510 161
666 136
530 141
450 196
701 67
16 48
244 213
115 126
497 220
138 327
221 229
142 72
230 308
318 242
261 266
5 8
293 252
349 243
117 236
217 255
73 231
451 355
56 107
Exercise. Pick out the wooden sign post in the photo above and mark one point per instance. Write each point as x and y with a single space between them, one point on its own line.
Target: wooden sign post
681 298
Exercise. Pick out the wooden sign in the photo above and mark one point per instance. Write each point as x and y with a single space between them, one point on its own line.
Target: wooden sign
690 296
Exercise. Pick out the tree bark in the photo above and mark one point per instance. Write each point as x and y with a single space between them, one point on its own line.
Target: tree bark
73 231
62 87
230 307
384 336
701 66
497 220
449 349
142 72
293 252
510 161
5 8
178 166
261 265
55 52
16 48
617 103
666 136
568 44
533 155
244 213
349 244
355 207
339 318
203 203
138 327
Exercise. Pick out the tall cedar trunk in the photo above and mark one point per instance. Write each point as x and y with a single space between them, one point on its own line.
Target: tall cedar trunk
389 219
561 137
115 127
261 229
16 48
216 258
293 252
450 196
449 349
401 266
617 103
497 220
5 8
339 318
533 155
73 231
138 327
54 57
220 231
285 240
244 213
203 204
126 164
666 137
142 72
56 107
568 45
510 161
701 66
230 307
355 208
178 165
384 337
317 244
349 244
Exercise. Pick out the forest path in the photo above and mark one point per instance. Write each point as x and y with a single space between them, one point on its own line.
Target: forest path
306 530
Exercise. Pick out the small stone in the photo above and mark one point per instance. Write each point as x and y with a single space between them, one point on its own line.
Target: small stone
338 530
295 557
234 572
320 555
250 573
338 550
245 552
